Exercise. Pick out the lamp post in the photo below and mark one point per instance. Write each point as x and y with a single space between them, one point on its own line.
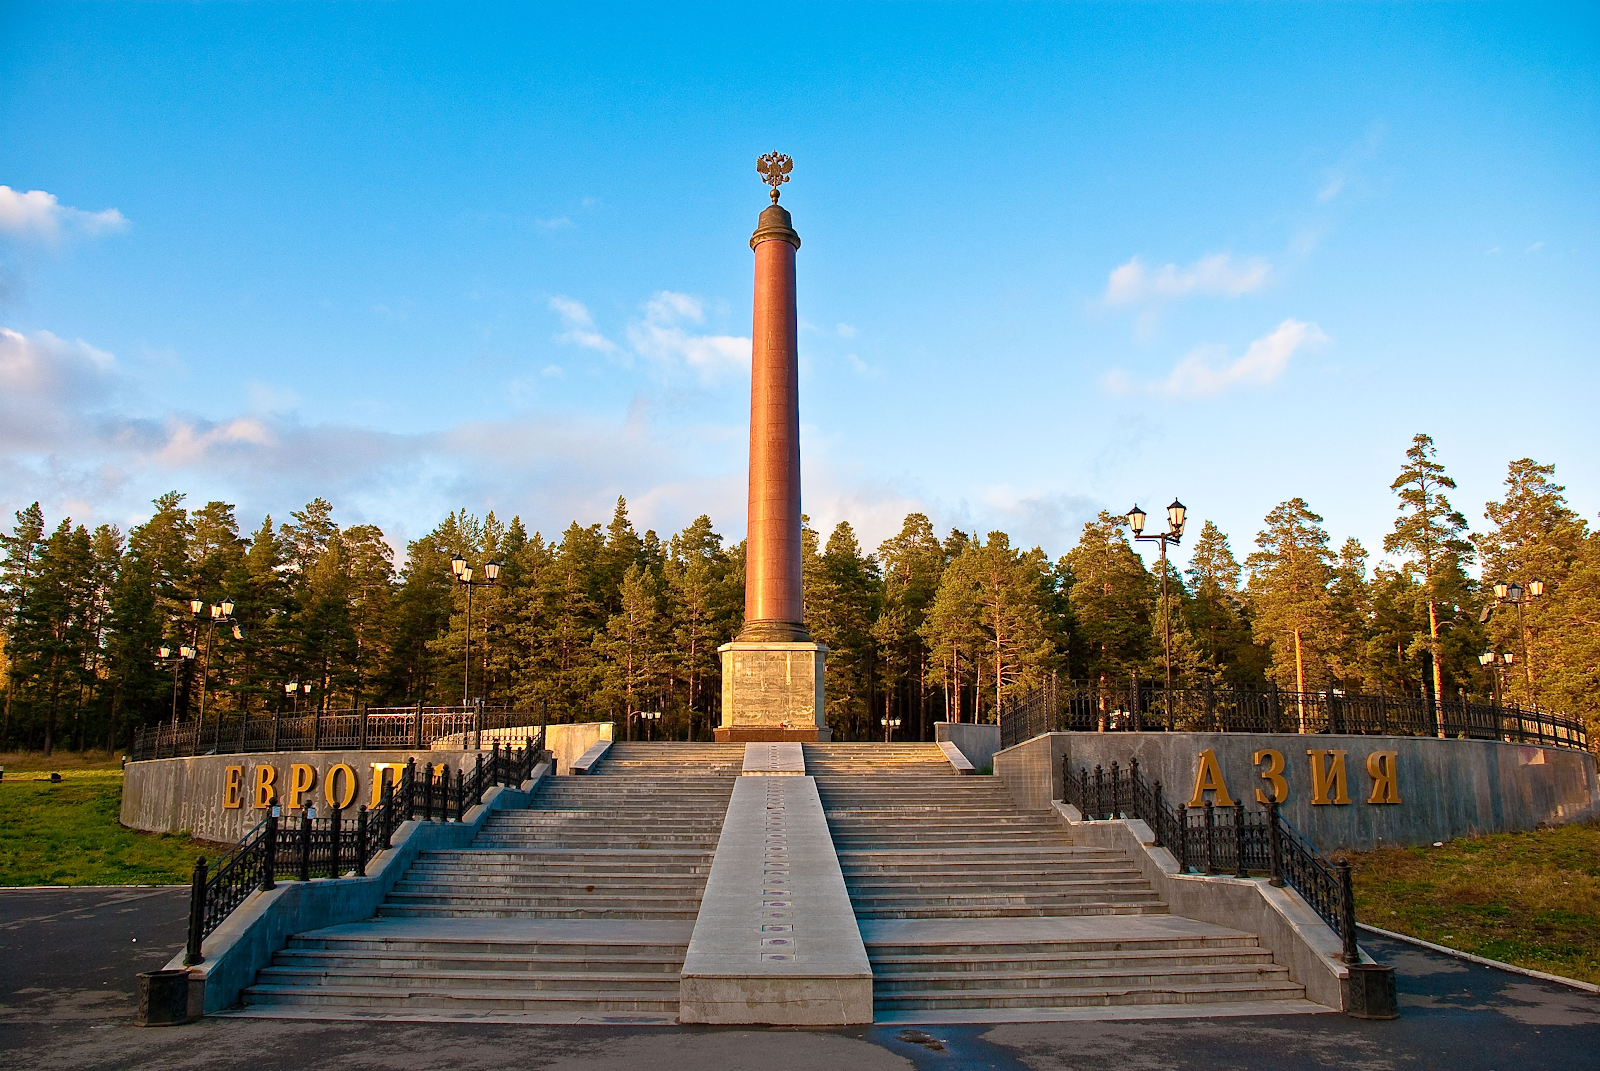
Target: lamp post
649 717
221 612
185 653
292 690
1173 536
463 575
1515 594
1499 661
889 726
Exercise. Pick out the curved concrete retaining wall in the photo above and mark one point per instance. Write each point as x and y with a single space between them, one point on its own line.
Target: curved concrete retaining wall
1446 788
215 797
567 741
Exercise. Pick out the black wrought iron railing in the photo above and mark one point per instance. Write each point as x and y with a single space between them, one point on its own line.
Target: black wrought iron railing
366 728
1222 840
1146 706
309 847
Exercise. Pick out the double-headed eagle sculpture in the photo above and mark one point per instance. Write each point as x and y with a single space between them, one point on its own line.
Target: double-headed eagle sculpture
774 168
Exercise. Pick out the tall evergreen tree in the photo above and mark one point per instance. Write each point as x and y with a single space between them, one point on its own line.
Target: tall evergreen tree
1429 534
1290 573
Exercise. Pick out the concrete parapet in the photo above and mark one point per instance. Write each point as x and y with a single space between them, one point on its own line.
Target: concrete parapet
216 797
258 928
977 741
1284 923
776 940
1440 788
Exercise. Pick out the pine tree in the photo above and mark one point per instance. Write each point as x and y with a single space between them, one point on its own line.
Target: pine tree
913 562
1289 577
1536 536
842 597
1217 610
1113 601
21 548
1430 532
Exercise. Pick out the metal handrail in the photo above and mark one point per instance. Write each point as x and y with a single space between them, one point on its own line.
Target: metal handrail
361 729
328 847
1216 840
1146 706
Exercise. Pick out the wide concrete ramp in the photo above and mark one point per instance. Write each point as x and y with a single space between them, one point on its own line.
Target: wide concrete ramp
776 941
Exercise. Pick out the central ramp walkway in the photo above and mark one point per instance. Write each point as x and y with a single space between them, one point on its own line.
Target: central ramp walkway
578 908
973 910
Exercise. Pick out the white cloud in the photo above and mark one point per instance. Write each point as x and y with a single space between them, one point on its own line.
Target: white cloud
662 336
580 329
558 223
35 213
1346 174
1204 372
1534 246
1134 283
862 368
845 331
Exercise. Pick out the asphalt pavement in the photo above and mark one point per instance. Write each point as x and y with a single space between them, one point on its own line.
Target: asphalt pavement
68 960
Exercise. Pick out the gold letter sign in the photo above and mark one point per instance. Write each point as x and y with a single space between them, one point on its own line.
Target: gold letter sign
266 791
1273 775
233 788
1327 776
301 778
341 800
1385 777
1209 779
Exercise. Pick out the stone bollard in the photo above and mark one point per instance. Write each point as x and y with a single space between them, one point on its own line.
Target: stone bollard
1369 992
163 998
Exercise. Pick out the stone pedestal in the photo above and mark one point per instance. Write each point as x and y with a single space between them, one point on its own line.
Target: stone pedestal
772 691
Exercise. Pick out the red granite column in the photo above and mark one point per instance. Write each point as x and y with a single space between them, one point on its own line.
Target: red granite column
772 595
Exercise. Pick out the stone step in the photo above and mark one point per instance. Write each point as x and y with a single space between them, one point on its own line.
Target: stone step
590 947
945 911
1080 997
569 911
475 980
1019 949
469 1003
986 961
887 985
892 892
506 899
670 962
472 885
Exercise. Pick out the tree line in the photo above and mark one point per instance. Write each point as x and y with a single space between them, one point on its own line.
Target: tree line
602 621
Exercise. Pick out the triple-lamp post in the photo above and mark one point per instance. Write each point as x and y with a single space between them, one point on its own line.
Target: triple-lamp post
1173 536
221 613
293 690
463 575
1499 661
889 726
176 661
1516 595
649 717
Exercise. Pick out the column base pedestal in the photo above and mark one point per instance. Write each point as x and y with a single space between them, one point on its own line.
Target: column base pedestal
772 692
756 734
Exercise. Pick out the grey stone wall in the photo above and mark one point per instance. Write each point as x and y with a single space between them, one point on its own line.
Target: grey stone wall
1447 788
978 742
189 794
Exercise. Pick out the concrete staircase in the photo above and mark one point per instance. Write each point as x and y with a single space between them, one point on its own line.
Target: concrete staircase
577 908
972 909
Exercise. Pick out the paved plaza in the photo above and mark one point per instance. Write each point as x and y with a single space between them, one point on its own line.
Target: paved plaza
70 957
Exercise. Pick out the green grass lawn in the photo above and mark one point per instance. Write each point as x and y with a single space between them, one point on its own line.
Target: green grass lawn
1532 899
67 833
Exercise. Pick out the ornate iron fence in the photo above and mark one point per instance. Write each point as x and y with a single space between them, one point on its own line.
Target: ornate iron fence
366 728
1145 706
333 847
1218 840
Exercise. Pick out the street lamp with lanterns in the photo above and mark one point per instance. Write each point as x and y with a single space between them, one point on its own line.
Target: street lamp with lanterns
463 574
168 658
1511 593
649 717
1499 661
221 614
1176 514
293 690
889 726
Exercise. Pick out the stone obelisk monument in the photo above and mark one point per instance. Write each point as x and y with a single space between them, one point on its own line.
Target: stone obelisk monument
772 672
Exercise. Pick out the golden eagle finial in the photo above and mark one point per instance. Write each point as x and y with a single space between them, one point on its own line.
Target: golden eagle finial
774 168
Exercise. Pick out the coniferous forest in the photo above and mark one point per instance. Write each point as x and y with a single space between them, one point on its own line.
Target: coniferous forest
593 622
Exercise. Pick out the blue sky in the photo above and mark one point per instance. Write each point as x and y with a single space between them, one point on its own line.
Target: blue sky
1056 258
